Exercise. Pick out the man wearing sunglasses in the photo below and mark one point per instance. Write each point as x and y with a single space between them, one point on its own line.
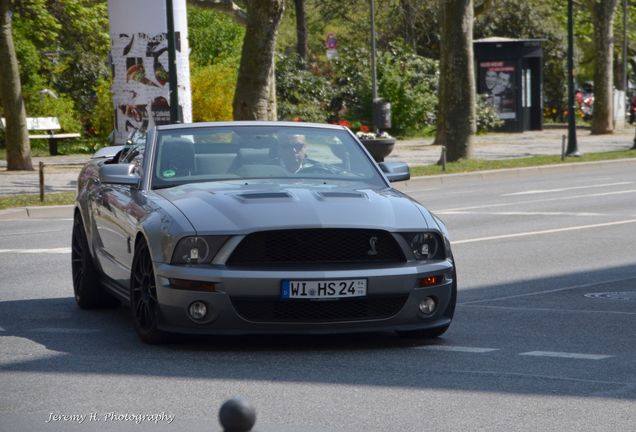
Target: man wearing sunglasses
291 152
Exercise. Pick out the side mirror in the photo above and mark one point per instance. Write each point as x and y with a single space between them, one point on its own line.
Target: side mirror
121 174
395 171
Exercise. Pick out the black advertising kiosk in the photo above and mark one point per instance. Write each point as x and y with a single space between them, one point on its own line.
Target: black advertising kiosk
509 73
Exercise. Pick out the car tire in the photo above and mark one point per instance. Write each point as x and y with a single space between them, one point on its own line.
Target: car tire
143 297
86 281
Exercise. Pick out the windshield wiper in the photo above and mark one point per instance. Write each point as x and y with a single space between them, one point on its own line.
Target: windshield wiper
166 186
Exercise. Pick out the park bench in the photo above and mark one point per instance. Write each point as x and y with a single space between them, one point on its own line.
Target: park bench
50 125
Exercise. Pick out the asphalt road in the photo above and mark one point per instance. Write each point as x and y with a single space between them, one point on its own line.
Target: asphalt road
543 338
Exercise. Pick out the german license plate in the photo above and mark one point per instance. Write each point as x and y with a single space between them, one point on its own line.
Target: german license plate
323 289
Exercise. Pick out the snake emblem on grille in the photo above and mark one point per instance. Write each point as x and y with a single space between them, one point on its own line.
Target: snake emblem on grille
373 241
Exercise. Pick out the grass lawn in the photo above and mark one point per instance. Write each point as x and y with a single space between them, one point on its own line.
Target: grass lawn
483 165
65 147
61 198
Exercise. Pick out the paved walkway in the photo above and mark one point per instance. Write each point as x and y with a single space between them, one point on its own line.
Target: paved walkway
60 172
495 146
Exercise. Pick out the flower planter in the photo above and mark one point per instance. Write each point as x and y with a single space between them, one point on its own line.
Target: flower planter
379 147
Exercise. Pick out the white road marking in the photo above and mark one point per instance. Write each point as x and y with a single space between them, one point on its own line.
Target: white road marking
540 191
551 310
15 234
534 293
2 329
567 355
518 213
549 231
64 250
61 330
500 373
475 350
535 201
412 191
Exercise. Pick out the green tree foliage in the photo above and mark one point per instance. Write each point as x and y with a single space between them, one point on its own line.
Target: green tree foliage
213 37
63 46
84 45
215 40
34 31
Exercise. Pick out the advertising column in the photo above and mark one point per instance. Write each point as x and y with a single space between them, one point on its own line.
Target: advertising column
139 62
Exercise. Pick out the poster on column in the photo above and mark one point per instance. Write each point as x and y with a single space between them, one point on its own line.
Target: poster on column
139 64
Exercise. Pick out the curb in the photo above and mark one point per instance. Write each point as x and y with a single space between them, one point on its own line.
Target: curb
38 212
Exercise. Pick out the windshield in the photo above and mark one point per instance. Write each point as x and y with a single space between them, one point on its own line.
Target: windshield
215 153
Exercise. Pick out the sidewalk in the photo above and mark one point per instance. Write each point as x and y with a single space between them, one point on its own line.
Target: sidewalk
59 177
496 146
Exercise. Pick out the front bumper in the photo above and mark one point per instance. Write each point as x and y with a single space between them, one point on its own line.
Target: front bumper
235 287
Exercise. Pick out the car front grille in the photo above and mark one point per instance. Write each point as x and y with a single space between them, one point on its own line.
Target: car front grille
276 310
317 246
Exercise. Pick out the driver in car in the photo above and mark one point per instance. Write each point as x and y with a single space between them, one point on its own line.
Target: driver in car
292 153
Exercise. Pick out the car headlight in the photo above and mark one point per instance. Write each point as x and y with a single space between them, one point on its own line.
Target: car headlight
425 245
197 249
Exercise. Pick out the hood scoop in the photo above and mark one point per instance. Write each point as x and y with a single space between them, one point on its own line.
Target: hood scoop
328 195
260 196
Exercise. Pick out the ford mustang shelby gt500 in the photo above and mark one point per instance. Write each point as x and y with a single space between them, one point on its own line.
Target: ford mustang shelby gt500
258 227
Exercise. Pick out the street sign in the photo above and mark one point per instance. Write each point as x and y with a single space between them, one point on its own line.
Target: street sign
331 41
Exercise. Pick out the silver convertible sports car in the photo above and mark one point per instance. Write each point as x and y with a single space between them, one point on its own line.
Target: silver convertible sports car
259 227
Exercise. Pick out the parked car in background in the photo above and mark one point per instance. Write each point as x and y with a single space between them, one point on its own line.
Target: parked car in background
259 227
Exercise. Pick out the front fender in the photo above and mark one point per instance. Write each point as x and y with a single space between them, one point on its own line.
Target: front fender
162 228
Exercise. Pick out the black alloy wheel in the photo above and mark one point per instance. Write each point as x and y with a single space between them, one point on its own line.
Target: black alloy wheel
143 296
86 284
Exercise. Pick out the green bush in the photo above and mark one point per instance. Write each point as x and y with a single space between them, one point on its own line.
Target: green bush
487 117
61 107
351 78
102 117
409 82
301 94
213 92
405 80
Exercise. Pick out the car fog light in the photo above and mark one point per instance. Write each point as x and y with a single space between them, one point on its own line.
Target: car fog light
428 306
198 310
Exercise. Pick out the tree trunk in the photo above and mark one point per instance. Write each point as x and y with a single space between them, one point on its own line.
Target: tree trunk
603 19
408 19
301 30
456 122
16 132
254 98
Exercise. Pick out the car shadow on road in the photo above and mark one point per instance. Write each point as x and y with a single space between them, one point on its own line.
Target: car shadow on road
591 312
